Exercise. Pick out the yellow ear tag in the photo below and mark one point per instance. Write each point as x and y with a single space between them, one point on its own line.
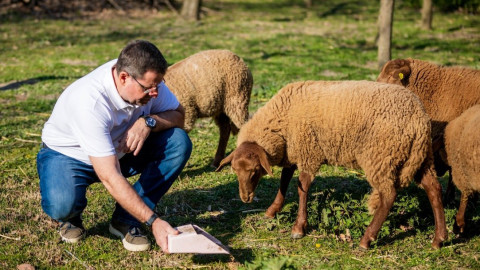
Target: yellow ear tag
400 75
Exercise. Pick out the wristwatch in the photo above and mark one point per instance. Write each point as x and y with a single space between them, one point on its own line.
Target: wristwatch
150 221
150 121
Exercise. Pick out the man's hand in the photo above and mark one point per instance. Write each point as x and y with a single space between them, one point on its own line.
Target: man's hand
161 229
134 138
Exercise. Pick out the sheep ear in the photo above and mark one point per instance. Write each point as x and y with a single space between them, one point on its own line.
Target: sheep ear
264 162
402 70
225 161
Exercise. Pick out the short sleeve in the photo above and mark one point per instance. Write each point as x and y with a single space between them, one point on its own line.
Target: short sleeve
165 101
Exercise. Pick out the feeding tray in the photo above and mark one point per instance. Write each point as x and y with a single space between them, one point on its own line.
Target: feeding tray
193 239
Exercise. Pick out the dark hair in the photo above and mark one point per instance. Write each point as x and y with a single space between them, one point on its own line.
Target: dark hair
140 56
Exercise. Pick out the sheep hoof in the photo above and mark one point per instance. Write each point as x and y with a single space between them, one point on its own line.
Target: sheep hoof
457 229
297 235
365 243
363 248
436 245
269 216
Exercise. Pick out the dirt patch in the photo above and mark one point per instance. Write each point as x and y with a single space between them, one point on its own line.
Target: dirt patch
80 8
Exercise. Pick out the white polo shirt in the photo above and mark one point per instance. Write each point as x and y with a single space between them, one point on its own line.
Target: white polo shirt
90 117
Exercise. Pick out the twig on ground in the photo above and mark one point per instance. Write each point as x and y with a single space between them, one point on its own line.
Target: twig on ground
33 134
194 210
253 229
253 210
28 141
24 173
12 238
265 239
75 257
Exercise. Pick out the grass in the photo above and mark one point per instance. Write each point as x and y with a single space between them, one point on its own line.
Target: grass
281 42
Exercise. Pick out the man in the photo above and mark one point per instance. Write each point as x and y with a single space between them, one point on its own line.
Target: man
118 121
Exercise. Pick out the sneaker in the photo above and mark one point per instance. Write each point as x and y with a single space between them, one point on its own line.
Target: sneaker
71 233
132 237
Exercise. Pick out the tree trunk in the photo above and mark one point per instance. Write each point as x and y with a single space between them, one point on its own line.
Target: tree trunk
308 3
385 22
191 10
427 14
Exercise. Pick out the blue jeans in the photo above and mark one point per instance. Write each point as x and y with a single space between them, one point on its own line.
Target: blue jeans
64 180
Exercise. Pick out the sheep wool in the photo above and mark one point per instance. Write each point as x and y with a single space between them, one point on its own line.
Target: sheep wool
462 144
213 83
380 128
445 92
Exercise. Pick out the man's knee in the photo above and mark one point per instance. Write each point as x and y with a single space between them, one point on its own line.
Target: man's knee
61 207
182 142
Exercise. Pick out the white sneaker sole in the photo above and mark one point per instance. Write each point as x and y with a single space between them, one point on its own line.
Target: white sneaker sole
128 246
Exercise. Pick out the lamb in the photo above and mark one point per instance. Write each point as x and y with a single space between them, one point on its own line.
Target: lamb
378 127
445 92
213 83
462 145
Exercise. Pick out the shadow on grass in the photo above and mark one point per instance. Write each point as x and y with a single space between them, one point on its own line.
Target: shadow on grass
18 84
221 213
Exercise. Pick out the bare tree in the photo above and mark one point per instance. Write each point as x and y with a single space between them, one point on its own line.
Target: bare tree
191 10
385 22
427 14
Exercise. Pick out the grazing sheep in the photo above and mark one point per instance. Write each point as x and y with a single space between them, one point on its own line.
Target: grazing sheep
378 127
213 83
445 92
462 145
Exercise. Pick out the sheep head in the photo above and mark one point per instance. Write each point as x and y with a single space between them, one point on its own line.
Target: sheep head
250 163
395 72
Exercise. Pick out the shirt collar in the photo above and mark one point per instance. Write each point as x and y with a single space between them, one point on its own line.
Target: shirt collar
112 91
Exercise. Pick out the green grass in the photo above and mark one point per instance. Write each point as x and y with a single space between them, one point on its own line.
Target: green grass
281 42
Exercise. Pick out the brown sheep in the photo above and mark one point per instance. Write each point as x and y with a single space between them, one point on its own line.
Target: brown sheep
445 92
378 127
213 83
462 145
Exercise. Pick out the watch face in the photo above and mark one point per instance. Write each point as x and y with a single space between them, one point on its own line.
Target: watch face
150 122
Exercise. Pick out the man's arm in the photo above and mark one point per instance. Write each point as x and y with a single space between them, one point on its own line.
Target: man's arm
134 138
169 119
108 170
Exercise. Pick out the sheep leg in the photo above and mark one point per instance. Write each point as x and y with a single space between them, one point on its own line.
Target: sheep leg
386 202
277 204
459 226
304 182
432 187
223 123
450 193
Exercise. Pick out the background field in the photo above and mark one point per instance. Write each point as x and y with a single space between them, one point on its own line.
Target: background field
281 42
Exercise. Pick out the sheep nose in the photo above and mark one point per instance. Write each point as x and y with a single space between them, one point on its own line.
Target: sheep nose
247 198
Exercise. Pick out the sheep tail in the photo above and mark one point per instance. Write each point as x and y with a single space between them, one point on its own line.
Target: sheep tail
420 155
236 107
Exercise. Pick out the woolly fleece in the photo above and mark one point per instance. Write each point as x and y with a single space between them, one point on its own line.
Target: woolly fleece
210 83
381 128
462 143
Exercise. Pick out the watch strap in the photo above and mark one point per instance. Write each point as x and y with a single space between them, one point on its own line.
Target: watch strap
152 218
148 118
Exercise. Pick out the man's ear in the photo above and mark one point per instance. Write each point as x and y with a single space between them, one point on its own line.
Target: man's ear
122 76
225 161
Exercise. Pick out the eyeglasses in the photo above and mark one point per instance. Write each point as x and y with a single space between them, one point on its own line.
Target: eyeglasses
146 90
